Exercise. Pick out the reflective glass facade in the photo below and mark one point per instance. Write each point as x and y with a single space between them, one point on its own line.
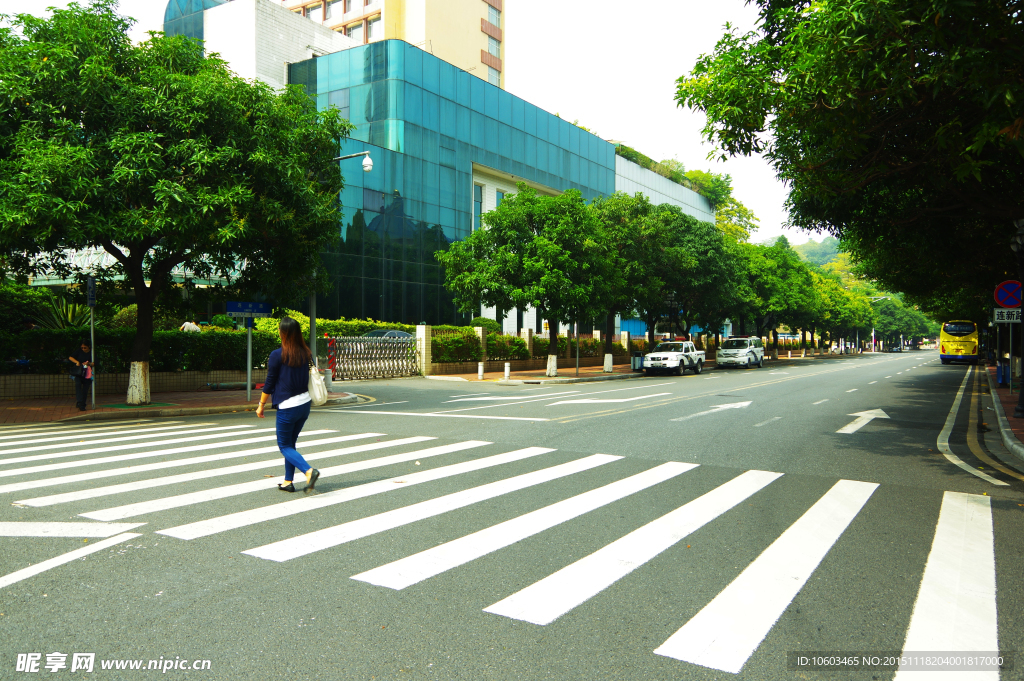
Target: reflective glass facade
185 17
426 123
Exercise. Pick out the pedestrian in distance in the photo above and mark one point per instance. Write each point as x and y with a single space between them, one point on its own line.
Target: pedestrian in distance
81 372
190 326
287 389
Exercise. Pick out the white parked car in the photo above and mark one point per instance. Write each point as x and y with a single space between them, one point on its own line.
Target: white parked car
674 356
741 351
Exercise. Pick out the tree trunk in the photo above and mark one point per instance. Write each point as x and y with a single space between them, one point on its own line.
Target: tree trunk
552 348
609 332
138 377
775 343
651 320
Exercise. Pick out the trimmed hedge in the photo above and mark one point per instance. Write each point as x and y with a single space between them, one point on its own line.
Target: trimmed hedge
333 327
47 350
500 347
461 347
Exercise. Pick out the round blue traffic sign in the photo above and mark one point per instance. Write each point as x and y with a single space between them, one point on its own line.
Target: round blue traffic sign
1008 294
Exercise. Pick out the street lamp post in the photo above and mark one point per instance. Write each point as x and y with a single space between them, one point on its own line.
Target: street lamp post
367 167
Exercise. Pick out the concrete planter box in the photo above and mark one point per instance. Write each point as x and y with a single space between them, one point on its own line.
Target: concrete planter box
23 386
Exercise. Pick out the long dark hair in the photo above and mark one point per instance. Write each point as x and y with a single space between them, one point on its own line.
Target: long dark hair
294 351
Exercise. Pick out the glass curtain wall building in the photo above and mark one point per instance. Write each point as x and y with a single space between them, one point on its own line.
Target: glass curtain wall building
185 17
433 132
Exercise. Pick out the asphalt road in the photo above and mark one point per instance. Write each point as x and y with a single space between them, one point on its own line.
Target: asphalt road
695 527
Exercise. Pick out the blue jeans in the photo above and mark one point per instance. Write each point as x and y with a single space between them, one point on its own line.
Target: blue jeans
289 425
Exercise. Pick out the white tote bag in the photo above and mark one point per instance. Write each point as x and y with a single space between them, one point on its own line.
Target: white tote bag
317 389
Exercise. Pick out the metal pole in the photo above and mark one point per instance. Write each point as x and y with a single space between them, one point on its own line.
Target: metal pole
248 359
92 352
1010 380
577 344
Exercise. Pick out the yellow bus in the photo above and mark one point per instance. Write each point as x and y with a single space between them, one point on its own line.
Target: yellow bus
958 342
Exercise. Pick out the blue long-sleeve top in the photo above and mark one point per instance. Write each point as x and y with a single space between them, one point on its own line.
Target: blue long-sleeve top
284 381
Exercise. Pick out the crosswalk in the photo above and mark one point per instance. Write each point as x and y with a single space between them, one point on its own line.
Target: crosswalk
175 467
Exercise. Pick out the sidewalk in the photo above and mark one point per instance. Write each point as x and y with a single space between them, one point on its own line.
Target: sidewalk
39 410
1012 429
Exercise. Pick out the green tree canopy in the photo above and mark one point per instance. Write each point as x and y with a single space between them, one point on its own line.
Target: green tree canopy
161 157
548 252
897 125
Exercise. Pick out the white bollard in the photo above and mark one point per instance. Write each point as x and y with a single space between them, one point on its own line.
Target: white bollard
508 370
789 354
480 371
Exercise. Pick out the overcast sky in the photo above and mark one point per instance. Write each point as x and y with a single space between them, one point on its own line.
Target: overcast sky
612 70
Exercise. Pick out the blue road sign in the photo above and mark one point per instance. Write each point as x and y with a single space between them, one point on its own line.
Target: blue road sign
1008 294
91 291
246 310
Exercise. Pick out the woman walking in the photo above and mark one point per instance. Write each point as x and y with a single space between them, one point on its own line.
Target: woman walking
287 387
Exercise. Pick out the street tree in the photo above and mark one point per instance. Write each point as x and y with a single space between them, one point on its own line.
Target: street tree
161 157
897 124
548 252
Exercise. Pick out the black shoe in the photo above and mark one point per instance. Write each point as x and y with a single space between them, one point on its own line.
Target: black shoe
313 477
289 488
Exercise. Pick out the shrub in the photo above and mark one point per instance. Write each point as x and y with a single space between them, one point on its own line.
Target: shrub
126 317
222 321
501 347
333 327
541 344
459 347
489 325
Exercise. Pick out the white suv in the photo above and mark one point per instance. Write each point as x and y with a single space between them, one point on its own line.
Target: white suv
742 351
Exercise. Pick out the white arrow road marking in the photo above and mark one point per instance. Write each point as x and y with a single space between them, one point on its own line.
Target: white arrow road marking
716 408
863 419
628 399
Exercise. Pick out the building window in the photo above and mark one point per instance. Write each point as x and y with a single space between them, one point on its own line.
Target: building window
478 205
334 9
373 30
494 16
494 47
498 196
315 13
355 31
493 76
348 6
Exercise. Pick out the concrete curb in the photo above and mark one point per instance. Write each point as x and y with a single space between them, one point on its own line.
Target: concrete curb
351 398
582 379
1010 441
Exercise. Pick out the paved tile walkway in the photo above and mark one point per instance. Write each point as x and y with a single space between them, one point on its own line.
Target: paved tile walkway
1009 403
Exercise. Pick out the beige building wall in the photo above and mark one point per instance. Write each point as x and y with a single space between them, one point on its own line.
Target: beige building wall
454 30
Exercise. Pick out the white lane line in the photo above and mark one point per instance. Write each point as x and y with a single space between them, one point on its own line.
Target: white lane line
378 404
956 604
232 521
443 415
552 395
727 631
888 376
853 390
64 465
136 485
821 401
509 397
765 423
132 470
899 372
154 505
119 448
56 455
33 570
141 432
425 564
943 440
625 399
64 529
469 395
548 599
92 431
711 378
872 382
527 390
304 544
